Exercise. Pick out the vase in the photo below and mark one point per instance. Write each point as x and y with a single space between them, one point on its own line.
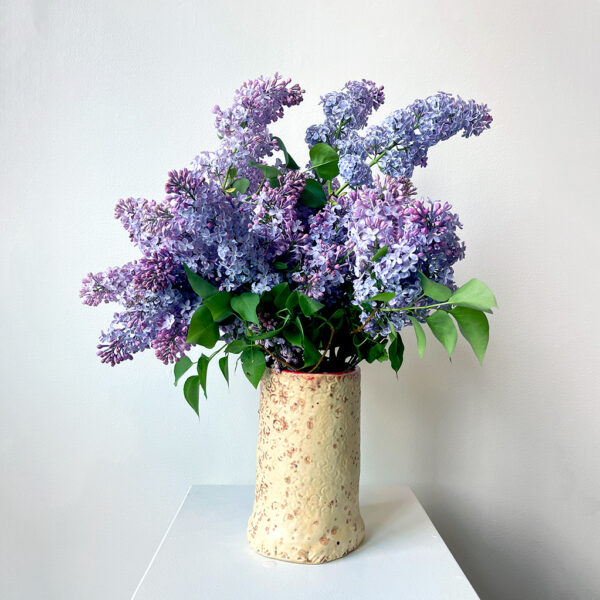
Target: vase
306 507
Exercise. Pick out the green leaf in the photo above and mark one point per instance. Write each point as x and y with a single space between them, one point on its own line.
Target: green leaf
396 351
191 391
292 300
236 346
218 304
475 328
280 294
290 163
281 266
311 354
268 171
199 285
240 185
294 333
434 290
245 305
313 195
338 316
181 366
380 253
324 161
203 371
308 306
383 297
444 329
474 294
375 352
224 366
253 364
203 330
420 335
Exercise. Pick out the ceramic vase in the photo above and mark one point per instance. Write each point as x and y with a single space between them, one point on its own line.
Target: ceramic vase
306 507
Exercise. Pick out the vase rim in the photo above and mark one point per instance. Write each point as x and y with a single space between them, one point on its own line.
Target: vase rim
334 373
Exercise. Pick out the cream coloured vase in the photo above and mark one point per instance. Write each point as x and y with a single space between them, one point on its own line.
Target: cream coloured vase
307 467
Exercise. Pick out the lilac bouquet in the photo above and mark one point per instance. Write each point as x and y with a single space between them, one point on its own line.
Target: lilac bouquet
309 269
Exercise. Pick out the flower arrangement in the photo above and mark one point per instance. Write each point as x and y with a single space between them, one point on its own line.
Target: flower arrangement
312 269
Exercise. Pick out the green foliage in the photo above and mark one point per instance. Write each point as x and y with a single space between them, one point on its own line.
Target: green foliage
434 290
474 294
474 326
245 305
313 195
420 335
311 354
181 367
270 173
191 392
203 330
253 364
240 185
380 254
290 163
203 288
396 351
308 305
218 304
224 366
330 338
324 161
203 362
444 329
382 297
236 346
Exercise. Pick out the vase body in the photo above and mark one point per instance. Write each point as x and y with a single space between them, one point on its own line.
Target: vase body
306 506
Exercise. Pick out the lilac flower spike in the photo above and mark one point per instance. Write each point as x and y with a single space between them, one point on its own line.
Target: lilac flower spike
245 228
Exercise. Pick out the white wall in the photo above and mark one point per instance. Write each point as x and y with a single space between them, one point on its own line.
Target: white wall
100 99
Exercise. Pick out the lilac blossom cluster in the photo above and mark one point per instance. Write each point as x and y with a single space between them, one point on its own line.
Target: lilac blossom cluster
402 141
255 236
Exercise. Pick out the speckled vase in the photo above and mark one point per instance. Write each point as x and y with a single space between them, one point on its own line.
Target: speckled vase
307 467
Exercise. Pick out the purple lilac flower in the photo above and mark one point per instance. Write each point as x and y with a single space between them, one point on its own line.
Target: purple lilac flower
346 111
233 239
423 124
420 236
243 128
277 223
355 170
327 253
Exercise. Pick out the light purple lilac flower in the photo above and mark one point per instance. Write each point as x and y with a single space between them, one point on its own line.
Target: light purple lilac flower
233 239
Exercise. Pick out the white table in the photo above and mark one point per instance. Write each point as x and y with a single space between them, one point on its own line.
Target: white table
204 555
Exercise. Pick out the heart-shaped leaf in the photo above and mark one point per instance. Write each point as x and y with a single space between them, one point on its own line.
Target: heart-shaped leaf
324 161
203 330
253 364
474 294
181 366
245 305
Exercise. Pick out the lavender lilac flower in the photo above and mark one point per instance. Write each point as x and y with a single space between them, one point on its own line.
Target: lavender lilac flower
244 231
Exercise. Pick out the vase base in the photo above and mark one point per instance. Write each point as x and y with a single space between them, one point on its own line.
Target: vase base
320 551
326 550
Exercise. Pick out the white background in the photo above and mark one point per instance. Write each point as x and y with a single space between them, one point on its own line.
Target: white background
100 99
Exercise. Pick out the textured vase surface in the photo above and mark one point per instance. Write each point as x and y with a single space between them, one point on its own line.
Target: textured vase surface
307 467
